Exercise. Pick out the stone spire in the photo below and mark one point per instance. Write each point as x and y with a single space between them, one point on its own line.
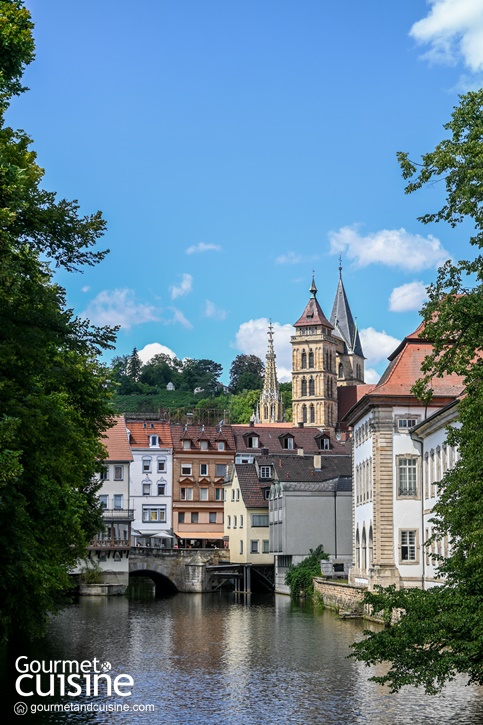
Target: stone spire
343 322
270 406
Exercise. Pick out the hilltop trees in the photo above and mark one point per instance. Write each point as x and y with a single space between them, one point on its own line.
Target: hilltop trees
53 394
441 633
246 373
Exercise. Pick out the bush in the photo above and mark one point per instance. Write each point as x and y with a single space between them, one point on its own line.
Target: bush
300 577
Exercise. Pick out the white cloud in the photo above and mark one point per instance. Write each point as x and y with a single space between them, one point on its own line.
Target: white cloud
377 345
251 339
202 247
371 376
216 313
179 318
408 297
391 247
86 288
152 349
185 287
119 307
289 258
454 31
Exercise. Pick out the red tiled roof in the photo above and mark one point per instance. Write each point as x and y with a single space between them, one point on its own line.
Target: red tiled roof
116 441
250 486
272 436
141 430
210 433
313 315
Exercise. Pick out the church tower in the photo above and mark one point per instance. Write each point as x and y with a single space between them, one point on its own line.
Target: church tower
270 409
350 358
314 373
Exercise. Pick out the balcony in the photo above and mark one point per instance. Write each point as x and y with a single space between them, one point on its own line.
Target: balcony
118 514
110 544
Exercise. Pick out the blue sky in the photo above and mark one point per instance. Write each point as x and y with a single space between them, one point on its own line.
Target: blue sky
234 147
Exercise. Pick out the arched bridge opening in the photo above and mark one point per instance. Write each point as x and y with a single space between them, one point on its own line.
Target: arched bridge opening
163 586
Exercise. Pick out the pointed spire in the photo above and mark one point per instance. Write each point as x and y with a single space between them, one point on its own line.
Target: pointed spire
341 318
313 289
270 404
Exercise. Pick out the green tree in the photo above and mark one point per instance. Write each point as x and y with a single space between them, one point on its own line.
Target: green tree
134 366
202 374
246 373
54 397
300 577
243 406
441 631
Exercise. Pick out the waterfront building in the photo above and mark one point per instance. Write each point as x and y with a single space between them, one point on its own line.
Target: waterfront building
325 355
151 482
201 457
391 506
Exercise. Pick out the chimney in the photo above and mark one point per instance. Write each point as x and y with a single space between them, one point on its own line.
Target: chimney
300 451
301 425
317 463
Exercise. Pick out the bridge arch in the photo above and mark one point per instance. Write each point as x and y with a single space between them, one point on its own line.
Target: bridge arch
163 584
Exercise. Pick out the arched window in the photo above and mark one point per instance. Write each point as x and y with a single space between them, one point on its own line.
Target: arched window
311 358
312 414
371 547
326 360
304 413
265 411
364 550
304 387
311 386
341 370
358 551
303 363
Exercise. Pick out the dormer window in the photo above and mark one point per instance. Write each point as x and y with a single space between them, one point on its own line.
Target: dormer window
221 445
154 441
204 445
287 442
324 443
252 442
265 472
186 445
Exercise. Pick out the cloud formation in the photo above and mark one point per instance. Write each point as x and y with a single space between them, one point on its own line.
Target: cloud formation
152 349
408 297
179 319
119 307
454 31
376 346
390 247
184 288
214 312
251 339
202 247
289 258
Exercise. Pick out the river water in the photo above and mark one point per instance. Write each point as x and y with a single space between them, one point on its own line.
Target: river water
212 660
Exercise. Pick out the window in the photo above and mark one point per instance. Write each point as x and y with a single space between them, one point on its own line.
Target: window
232 494
252 442
203 469
186 494
304 387
259 519
241 522
405 424
288 443
153 441
104 474
265 471
181 517
118 473
228 522
221 445
324 443
311 358
146 464
265 546
408 545
161 488
154 513
194 517
266 494
146 489
204 445
304 413
407 476
186 445
221 469
212 517
312 414
118 500
238 494
303 362
218 494
311 386
241 546
254 546
234 522
186 469
161 465
104 501
203 494
243 459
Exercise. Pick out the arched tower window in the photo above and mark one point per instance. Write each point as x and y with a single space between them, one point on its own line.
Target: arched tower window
304 387
311 386
304 413
311 358
312 414
341 370
303 363
364 549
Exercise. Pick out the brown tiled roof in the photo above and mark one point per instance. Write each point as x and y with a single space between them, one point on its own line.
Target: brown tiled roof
271 436
210 433
116 441
313 315
141 430
250 486
301 469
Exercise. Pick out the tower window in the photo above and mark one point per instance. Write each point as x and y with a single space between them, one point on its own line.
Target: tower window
304 387
311 358
304 413
311 386
304 359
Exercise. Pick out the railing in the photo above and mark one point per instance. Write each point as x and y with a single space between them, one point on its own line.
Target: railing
110 544
118 514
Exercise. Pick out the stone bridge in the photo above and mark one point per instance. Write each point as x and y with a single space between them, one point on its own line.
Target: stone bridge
182 570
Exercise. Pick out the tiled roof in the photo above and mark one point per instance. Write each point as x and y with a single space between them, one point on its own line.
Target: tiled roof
116 441
271 436
343 483
210 433
343 322
313 315
141 430
250 486
301 469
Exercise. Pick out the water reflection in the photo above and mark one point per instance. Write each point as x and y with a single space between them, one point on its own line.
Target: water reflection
210 660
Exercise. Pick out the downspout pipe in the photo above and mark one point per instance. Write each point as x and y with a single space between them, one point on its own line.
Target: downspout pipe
420 442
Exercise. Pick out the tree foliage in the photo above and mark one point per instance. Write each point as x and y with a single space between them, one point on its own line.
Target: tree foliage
440 633
54 400
300 577
246 373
